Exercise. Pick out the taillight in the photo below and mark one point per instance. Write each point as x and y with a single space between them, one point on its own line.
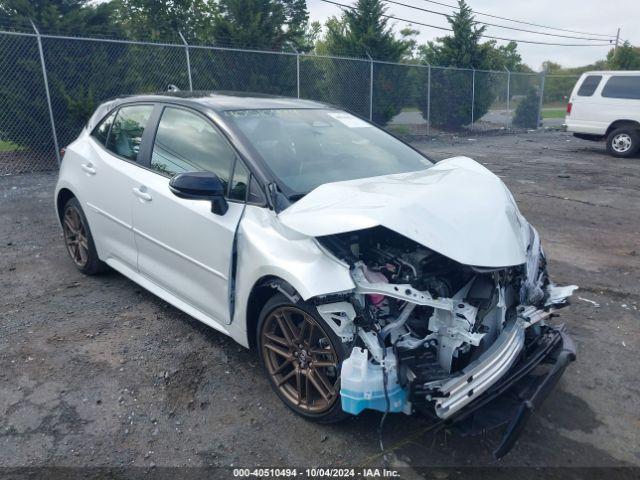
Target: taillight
63 150
569 108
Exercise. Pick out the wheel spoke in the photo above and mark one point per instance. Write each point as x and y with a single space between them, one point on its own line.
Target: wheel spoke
317 385
282 366
67 222
306 387
276 349
286 378
289 322
285 330
277 339
303 327
298 385
323 364
310 336
325 381
327 352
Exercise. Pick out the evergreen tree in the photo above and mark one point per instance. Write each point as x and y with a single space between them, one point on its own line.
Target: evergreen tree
69 62
162 20
451 98
76 17
264 24
364 31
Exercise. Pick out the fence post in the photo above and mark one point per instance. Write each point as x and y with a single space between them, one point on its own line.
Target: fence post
370 88
473 94
508 97
428 98
46 89
186 50
543 74
297 70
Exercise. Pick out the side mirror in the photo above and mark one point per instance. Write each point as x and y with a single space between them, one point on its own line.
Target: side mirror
201 186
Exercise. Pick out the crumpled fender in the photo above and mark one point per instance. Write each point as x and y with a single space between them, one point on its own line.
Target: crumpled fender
266 248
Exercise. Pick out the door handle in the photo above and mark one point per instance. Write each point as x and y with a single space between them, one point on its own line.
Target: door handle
141 194
88 168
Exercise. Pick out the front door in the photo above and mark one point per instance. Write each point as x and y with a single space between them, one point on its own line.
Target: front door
182 246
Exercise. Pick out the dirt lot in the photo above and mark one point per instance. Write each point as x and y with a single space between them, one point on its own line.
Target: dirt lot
96 371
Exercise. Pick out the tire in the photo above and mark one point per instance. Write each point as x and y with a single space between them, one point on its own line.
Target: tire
78 239
304 359
623 142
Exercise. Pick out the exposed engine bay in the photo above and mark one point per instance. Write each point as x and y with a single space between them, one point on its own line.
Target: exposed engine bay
426 331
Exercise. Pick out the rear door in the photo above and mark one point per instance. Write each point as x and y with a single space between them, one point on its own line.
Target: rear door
182 246
587 115
620 97
109 167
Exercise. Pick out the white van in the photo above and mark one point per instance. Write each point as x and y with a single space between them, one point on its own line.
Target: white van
606 105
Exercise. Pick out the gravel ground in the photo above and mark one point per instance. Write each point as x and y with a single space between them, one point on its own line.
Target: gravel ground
98 372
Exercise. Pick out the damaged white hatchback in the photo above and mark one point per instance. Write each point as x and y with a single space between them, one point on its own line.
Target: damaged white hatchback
365 275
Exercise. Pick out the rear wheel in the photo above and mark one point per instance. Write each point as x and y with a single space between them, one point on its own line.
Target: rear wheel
302 358
78 239
623 142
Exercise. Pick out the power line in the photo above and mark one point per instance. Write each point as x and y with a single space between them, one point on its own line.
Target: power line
413 22
521 21
497 26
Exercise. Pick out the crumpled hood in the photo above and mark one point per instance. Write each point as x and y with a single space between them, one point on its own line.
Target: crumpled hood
457 208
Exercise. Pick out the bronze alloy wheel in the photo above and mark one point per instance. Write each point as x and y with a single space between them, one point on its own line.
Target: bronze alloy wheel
300 359
75 236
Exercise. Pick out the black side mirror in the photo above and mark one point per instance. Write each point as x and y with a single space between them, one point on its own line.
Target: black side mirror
201 186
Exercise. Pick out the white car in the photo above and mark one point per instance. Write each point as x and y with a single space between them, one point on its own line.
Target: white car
605 105
365 275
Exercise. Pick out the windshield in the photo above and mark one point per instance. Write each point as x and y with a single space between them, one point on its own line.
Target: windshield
306 148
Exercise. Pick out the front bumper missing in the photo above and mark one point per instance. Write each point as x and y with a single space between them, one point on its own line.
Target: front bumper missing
512 399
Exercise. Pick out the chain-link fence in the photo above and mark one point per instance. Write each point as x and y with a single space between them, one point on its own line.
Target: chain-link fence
50 85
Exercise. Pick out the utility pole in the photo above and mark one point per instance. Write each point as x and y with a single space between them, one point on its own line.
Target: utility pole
617 40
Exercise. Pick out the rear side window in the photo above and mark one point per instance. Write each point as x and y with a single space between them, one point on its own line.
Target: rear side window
127 129
186 142
589 85
101 131
627 86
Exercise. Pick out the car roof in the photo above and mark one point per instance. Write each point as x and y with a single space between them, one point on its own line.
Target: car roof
612 72
223 100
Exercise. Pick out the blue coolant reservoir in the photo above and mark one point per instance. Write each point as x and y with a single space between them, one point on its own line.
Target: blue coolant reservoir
362 384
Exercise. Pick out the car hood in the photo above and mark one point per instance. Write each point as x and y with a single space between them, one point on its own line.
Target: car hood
457 208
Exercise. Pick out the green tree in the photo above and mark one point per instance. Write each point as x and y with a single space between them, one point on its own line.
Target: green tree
526 115
365 31
451 89
22 94
162 20
265 24
77 17
625 57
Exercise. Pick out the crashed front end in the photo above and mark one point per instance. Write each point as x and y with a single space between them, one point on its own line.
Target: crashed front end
449 312
431 335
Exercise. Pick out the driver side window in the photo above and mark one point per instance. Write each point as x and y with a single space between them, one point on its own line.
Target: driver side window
186 142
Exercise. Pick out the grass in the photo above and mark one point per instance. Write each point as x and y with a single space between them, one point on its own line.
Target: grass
553 112
8 146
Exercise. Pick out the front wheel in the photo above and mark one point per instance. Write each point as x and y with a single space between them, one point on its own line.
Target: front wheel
302 358
623 142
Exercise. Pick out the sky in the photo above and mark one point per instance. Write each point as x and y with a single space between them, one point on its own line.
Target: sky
592 16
